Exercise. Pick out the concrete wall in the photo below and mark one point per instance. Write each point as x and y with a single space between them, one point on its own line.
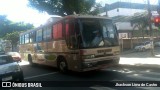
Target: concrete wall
130 44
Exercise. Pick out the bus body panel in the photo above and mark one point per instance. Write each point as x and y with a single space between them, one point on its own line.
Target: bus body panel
101 59
48 52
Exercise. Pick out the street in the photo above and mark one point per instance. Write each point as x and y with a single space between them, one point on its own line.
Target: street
133 68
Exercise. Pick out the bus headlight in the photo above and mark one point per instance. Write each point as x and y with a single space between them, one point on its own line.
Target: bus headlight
116 53
88 56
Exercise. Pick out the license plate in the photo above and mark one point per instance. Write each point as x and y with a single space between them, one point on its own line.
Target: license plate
7 78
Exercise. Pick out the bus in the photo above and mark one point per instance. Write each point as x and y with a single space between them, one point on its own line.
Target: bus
75 42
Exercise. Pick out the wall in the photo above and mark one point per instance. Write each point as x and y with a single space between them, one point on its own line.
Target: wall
130 44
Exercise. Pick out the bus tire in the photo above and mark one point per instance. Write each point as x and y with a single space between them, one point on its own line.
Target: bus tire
21 77
117 61
30 60
62 65
143 49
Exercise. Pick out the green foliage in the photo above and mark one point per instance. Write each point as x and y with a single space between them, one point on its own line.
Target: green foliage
13 37
63 7
96 9
7 26
3 24
140 21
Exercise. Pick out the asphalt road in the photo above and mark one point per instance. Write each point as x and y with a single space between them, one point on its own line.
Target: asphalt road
123 72
135 68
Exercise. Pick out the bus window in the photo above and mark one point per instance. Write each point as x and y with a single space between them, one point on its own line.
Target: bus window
54 31
60 30
21 38
47 33
39 35
57 31
26 38
67 29
78 35
98 33
70 34
32 37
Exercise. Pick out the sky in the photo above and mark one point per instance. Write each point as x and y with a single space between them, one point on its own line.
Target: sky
133 1
17 10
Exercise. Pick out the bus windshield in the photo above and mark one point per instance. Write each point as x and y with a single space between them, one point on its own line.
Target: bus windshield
98 33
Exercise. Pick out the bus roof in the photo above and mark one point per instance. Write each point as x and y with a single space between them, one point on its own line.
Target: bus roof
65 17
86 16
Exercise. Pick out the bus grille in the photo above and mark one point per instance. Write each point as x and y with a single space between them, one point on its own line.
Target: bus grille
104 55
103 51
104 62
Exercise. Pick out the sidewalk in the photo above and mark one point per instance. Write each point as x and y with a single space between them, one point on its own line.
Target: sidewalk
127 52
131 57
132 53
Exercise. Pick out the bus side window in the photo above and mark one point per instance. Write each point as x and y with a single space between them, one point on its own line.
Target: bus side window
47 33
57 31
39 35
70 34
26 38
67 34
78 35
32 37
21 39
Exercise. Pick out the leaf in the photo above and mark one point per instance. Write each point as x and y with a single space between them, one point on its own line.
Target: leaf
60 7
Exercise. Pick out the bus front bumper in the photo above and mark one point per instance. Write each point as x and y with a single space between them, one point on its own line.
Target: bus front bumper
100 63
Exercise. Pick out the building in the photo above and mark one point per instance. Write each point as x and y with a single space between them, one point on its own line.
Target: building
120 8
121 12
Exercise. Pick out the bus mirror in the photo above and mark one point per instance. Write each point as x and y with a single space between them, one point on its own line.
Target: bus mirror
115 26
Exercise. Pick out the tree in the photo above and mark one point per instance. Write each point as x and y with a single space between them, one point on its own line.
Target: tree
139 21
63 7
4 22
97 8
7 26
13 38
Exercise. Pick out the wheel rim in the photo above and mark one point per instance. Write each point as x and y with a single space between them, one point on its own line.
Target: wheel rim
143 49
62 66
30 59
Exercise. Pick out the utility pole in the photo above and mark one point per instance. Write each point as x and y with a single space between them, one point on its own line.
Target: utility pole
158 8
150 27
106 9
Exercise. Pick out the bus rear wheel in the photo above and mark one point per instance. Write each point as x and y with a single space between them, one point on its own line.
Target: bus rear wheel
30 60
62 66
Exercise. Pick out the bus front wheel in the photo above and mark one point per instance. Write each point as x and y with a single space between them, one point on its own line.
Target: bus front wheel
62 66
30 60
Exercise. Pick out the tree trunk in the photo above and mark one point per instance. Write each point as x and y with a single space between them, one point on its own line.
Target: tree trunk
143 34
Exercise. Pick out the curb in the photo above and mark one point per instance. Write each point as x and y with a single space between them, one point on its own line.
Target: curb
141 66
